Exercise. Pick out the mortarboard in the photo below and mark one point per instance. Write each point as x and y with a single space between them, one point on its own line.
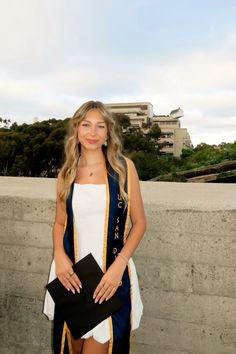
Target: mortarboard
79 310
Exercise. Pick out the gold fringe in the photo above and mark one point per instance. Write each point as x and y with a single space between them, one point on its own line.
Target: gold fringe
69 341
63 338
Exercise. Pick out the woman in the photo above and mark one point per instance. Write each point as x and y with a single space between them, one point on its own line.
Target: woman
97 191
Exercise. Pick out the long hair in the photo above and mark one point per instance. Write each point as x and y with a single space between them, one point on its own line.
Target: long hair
112 152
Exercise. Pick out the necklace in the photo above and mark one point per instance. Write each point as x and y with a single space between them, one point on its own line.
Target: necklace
91 173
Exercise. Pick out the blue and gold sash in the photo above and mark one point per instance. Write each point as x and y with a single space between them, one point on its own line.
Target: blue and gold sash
115 234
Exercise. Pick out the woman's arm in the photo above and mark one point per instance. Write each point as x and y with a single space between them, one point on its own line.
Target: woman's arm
62 261
113 275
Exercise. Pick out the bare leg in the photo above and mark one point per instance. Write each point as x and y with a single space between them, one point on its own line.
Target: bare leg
91 346
77 345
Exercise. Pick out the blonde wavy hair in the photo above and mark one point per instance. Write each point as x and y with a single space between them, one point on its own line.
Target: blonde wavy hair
112 152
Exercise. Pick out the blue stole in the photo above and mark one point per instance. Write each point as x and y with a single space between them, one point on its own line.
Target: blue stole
115 233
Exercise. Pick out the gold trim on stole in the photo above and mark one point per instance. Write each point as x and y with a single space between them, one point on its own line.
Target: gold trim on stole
66 331
129 194
75 242
69 341
105 250
106 220
63 337
125 235
76 260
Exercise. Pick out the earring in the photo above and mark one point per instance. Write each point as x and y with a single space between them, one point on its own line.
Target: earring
105 143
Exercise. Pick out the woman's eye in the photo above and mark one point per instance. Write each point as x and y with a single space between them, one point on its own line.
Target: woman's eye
87 125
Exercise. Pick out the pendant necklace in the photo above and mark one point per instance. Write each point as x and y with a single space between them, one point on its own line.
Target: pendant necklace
92 173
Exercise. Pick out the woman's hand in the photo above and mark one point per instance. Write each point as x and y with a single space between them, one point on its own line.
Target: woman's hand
110 281
65 272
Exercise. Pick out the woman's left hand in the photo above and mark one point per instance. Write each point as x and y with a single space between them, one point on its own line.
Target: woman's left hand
110 281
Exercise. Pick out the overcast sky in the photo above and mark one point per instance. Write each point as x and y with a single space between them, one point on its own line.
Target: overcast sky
57 54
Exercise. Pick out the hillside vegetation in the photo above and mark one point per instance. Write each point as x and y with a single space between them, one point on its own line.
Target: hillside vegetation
37 150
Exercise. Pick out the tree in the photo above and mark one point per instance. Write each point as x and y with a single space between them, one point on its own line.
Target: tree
154 133
186 153
122 120
37 150
32 149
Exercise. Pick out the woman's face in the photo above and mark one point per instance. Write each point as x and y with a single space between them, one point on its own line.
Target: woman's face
92 130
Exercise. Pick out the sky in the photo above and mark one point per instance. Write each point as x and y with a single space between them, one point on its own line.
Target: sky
57 54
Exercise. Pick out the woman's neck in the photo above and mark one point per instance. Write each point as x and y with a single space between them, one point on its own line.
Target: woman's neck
91 158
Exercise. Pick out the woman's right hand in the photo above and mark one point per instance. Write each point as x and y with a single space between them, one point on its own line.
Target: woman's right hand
65 272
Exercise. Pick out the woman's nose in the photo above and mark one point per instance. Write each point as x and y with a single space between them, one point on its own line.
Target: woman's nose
93 130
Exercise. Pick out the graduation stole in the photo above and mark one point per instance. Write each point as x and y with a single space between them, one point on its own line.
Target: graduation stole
115 234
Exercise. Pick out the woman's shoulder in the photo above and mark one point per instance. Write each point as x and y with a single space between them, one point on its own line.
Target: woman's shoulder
133 171
129 162
59 177
60 182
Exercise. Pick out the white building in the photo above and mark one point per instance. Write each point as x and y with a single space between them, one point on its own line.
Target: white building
173 136
141 114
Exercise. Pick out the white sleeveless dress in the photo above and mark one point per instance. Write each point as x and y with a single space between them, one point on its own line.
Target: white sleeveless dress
89 205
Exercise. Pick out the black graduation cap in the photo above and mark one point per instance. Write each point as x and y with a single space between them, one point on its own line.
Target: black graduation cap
79 310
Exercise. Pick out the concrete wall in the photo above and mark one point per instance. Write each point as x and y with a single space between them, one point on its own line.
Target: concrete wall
185 262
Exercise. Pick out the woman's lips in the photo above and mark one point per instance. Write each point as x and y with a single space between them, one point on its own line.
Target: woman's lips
91 141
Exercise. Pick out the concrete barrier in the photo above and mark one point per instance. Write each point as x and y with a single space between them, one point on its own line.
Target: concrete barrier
185 263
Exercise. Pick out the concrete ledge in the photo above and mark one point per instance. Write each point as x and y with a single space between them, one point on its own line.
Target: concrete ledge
185 265
170 195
